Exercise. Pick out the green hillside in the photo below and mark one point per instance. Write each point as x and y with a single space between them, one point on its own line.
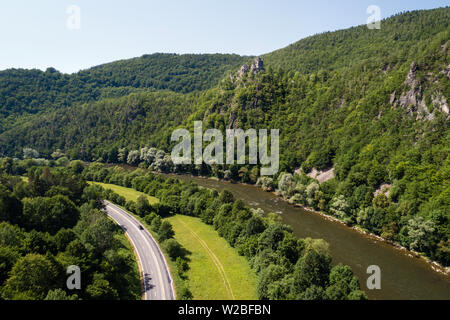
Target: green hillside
371 104
31 91
401 38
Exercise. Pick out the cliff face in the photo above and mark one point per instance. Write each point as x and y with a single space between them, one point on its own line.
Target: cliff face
414 100
256 67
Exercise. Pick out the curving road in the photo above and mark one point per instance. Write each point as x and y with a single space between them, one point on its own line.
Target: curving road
158 284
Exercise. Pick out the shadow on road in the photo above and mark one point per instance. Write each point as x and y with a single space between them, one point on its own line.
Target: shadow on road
147 283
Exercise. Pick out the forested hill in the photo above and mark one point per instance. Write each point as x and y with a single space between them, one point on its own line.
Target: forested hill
401 38
31 91
372 105
179 73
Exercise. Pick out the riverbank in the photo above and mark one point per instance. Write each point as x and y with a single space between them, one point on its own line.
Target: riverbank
403 276
435 266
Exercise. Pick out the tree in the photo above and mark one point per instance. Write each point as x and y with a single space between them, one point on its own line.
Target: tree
268 277
226 197
342 283
173 249
286 184
156 223
133 157
38 242
313 293
185 293
100 235
101 289
311 191
60 295
421 234
32 277
272 236
165 231
63 238
29 153
6 165
143 206
255 225
122 155
311 269
149 218
339 207
10 206
357 295
49 214
57 154
265 183
77 166
182 266
8 257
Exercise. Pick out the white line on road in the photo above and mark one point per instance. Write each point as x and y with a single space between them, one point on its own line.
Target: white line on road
133 223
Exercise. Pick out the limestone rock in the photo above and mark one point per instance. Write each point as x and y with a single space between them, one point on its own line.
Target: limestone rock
244 69
257 65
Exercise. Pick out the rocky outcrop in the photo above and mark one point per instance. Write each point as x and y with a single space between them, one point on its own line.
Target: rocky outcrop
321 176
446 71
232 121
413 101
257 65
244 69
411 77
440 102
383 189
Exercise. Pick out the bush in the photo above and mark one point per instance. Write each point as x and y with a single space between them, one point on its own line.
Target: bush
185 293
156 224
165 231
149 218
182 266
143 207
131 206
173 249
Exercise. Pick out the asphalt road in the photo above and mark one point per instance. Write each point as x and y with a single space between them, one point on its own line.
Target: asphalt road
158 284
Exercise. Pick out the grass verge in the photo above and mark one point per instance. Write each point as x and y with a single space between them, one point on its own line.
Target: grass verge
134 277
128 193
216 271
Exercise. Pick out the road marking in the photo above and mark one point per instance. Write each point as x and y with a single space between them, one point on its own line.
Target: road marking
216 260
126 217
139 257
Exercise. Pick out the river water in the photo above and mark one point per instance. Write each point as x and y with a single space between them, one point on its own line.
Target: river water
402 276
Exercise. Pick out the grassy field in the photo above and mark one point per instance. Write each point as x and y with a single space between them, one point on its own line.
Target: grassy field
128 193
216 270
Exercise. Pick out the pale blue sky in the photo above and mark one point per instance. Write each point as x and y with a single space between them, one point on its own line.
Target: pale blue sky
33 34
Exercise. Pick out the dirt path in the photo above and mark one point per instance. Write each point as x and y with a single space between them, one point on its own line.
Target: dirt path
215 260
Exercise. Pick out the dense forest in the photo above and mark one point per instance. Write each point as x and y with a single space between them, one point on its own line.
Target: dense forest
54 220
288 268
399 40
31 91
370 105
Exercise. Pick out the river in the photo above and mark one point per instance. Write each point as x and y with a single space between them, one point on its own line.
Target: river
402 275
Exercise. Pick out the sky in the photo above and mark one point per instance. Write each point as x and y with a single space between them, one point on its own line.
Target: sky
71 35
